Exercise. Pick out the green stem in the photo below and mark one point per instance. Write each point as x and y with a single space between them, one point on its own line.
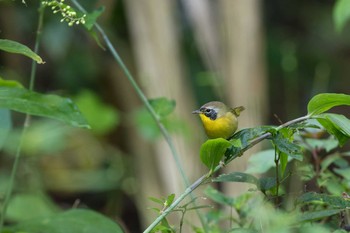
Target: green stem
140 94
25 125
277 159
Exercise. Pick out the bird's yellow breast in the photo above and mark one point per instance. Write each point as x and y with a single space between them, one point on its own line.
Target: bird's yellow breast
222 127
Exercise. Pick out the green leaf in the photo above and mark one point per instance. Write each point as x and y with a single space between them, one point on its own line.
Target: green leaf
237 177
9 83
39 204
323 102
337 125
212 151
333 201
218 197
341 14
316 215
15 47
266 183
163 106
101 117
71 221
169 200
33 103
283 163
247 135
344 172
91 18
284 145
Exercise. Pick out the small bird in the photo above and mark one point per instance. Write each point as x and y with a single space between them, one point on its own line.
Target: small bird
219 121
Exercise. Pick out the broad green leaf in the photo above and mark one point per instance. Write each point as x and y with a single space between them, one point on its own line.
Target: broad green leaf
218 197
237 177
247 135
283 163
323 102
9 83
101 117
337 125
39 204
316 215
344 172
33 103
333 201
341 14
163 106
71 221
91 18
5 125
212 151
15 47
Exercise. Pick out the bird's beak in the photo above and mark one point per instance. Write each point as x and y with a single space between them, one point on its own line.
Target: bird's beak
196 112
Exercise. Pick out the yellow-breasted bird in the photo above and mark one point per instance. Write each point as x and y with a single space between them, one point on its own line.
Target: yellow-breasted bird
219 121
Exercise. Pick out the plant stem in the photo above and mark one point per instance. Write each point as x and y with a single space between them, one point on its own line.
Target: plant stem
142 96
277 159
205 177
25 124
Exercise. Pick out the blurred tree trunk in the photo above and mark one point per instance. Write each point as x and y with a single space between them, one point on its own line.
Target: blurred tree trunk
156 49
244 68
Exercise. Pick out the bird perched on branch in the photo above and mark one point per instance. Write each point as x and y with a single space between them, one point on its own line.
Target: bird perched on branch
219 121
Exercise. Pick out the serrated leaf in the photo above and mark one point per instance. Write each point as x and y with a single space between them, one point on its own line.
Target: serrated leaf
341 14
18 48
237 177
91 18
163 106
323 102
33 103
212 151
75 220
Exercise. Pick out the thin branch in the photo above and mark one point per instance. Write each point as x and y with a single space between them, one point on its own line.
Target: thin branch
205 177
25 124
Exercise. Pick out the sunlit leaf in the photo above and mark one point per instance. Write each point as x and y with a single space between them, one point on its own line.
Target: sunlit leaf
323 102
341 14
71 221
212 151
169 200
33 103
237 177
18 48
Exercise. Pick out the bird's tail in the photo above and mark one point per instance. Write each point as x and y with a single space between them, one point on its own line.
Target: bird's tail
237 110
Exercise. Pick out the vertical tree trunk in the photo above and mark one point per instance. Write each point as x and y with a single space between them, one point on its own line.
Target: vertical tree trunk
155 41
244 67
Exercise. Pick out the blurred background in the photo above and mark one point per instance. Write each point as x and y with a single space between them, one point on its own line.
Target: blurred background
270 56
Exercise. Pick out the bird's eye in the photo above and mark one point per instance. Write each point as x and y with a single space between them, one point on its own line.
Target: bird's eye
207 110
